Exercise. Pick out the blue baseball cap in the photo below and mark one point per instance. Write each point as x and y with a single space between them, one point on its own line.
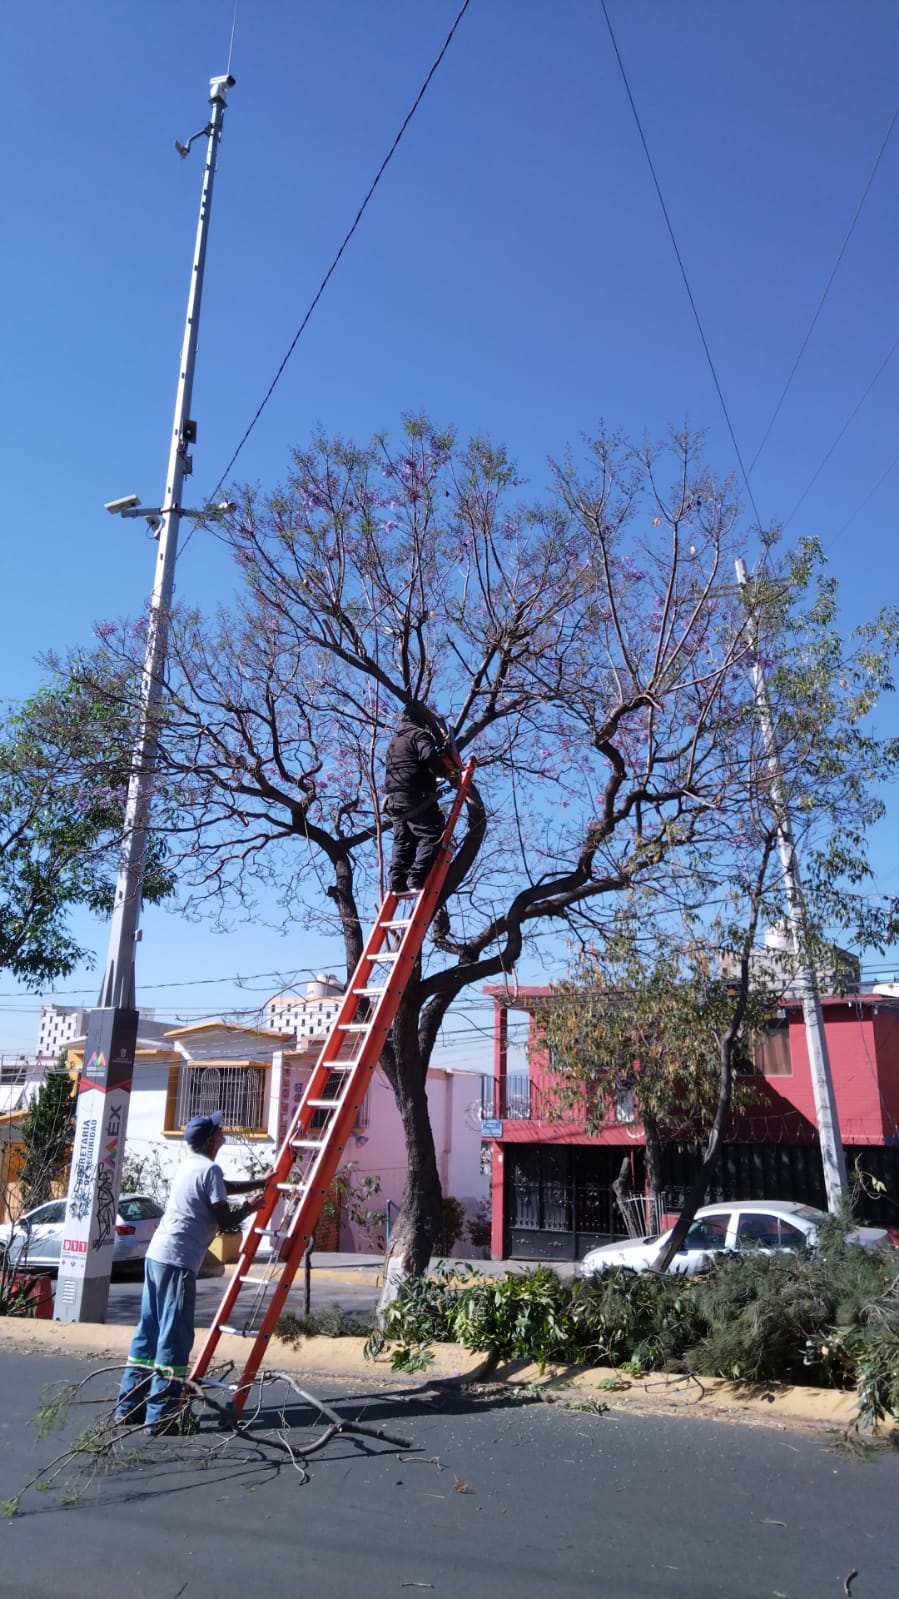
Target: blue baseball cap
200 1129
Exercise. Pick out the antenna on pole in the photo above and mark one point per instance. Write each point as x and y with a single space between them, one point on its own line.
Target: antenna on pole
104 1087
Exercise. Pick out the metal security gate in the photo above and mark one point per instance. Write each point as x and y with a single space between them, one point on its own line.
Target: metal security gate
559 1201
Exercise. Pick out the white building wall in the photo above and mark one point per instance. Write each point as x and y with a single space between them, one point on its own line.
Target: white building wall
377 1149
58 1025
307 1016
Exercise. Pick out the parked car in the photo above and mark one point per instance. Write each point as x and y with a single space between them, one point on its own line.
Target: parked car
34 1240
731 1227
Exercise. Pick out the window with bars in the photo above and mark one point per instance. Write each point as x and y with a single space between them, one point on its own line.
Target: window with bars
238 1091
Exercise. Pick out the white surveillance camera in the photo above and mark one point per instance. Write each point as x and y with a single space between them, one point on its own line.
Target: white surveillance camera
116 507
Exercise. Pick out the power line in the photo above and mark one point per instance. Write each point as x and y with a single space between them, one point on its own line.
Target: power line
850 418
683 270
187 982
868 496
347 237
833 272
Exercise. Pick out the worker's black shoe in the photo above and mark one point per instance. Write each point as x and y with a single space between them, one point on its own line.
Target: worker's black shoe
180 1424
135 1417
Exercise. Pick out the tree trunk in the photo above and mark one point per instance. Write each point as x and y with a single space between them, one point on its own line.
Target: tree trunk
653 1170
701 1182
623 1189
419 1225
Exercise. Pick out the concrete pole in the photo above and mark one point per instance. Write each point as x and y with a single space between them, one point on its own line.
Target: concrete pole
105 1085
833 1159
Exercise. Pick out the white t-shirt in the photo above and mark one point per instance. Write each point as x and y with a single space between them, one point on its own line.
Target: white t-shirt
188 1223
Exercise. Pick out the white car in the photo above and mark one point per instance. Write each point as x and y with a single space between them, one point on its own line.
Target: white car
733 1226
34 1240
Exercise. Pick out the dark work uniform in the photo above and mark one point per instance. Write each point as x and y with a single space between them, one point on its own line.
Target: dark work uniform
414 768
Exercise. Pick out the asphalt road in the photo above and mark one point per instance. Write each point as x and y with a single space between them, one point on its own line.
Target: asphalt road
504 1498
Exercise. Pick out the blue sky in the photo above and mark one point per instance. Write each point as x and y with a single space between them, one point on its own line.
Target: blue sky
512 274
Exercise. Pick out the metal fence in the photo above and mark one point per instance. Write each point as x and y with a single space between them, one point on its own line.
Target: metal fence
513 1099
239 1091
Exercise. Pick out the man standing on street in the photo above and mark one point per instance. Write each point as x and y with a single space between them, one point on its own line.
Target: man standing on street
197 1208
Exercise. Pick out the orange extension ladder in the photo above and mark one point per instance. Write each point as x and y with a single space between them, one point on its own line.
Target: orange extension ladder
311 1151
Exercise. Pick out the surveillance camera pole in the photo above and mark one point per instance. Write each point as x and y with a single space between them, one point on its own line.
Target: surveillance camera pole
105 1083
832 1156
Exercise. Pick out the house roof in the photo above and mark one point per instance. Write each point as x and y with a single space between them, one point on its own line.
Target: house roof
213 1026
522 997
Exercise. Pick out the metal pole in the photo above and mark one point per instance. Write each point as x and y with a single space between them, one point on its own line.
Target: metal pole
833 1159
105 1085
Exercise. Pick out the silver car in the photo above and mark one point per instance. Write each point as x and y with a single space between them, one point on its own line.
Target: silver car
731 1227
34 1240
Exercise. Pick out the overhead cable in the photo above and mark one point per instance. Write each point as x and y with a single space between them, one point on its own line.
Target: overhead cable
833 272
683 270
347 237
849 420
868 496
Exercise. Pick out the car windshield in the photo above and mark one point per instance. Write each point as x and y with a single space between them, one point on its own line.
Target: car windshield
139 1208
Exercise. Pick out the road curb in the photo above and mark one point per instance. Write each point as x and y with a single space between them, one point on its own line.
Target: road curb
577 1386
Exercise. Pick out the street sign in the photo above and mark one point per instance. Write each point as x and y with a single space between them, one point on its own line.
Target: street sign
491 1129
104 1088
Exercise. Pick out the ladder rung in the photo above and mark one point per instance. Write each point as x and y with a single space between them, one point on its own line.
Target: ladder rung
353 1027
406 923
239 1332
387 955
370 993
304 1143
257 1282
323 1104
267 1232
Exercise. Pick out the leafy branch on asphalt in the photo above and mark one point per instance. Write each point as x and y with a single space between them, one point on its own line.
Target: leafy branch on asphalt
107 1447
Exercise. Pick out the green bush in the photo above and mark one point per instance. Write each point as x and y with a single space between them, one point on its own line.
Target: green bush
829 1318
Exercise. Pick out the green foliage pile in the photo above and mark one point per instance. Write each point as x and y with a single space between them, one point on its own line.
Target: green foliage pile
829 1319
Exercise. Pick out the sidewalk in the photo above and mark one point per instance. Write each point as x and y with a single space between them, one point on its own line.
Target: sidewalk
370 1265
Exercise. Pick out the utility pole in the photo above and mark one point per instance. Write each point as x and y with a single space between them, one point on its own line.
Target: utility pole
104 1088
832 1156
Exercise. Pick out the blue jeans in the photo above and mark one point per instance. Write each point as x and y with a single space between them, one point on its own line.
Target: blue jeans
160 1349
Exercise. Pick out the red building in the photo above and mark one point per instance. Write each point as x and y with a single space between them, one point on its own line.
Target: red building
551 1181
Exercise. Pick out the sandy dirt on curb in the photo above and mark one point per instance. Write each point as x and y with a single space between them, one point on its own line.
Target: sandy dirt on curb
712 1397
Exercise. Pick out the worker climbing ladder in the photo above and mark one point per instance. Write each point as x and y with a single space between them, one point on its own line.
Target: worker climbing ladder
310 1154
